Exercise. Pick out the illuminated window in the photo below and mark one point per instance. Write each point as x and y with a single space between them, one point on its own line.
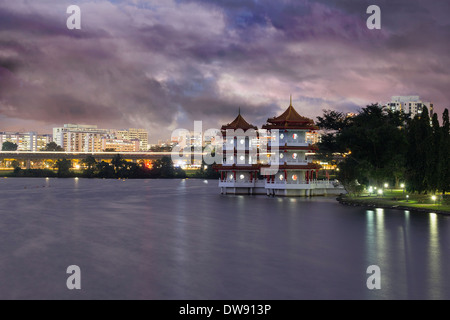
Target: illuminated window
294 177
294 156
295 136
241 177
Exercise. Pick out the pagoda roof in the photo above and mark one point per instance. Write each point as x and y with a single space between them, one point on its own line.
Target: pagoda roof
239 123
290 119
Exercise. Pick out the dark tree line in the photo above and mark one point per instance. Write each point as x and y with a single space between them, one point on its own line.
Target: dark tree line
378 146
122 169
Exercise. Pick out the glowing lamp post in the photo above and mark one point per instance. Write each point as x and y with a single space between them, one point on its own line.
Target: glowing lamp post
403 187
380 192
433 197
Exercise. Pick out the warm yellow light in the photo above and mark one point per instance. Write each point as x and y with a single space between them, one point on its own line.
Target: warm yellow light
386 185
402 185
433 198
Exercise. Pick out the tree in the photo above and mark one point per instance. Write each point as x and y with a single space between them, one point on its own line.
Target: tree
9 146
63 166
436 149
105 170
375 144
333 120
52 146
163 168
329 147
419 153
15 164
118 163
90 164
444 155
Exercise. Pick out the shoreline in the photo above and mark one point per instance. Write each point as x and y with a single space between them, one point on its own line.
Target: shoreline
369 204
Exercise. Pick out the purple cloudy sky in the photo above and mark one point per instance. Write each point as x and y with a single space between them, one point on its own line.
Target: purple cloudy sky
162 64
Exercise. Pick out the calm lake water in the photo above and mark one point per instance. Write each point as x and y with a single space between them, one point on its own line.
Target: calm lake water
181 239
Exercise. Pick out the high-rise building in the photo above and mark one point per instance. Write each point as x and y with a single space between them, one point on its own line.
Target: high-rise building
411 105
42 140
89 138
26 141
80 138
120 145
133 134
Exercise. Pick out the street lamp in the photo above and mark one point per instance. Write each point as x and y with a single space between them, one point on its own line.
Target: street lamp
386 185
370 190
380 192
403 187
433 197
407 197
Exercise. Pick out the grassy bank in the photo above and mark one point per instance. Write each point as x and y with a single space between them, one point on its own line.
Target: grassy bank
397 199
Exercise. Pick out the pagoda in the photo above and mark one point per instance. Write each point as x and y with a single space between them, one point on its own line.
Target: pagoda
239 168
296 174
281 165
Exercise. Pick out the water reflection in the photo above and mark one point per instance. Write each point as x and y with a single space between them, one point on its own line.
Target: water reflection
180 239
434 262
375 237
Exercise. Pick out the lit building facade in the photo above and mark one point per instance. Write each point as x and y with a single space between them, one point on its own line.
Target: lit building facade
133 134
411 105
89 138
26 141
80 138
121 145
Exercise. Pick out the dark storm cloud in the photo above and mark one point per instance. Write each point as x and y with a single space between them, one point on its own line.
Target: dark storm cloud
162 64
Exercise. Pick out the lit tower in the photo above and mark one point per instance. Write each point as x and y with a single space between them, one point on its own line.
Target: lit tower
239 169
296 175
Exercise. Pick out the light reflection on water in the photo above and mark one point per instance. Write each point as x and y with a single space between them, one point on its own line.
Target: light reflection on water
181 239
434 255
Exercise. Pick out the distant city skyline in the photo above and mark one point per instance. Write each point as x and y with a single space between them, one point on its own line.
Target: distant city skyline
160 65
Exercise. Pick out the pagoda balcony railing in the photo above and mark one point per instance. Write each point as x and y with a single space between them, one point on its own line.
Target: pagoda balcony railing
291 143
237 183
238 164
300 183
297 162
